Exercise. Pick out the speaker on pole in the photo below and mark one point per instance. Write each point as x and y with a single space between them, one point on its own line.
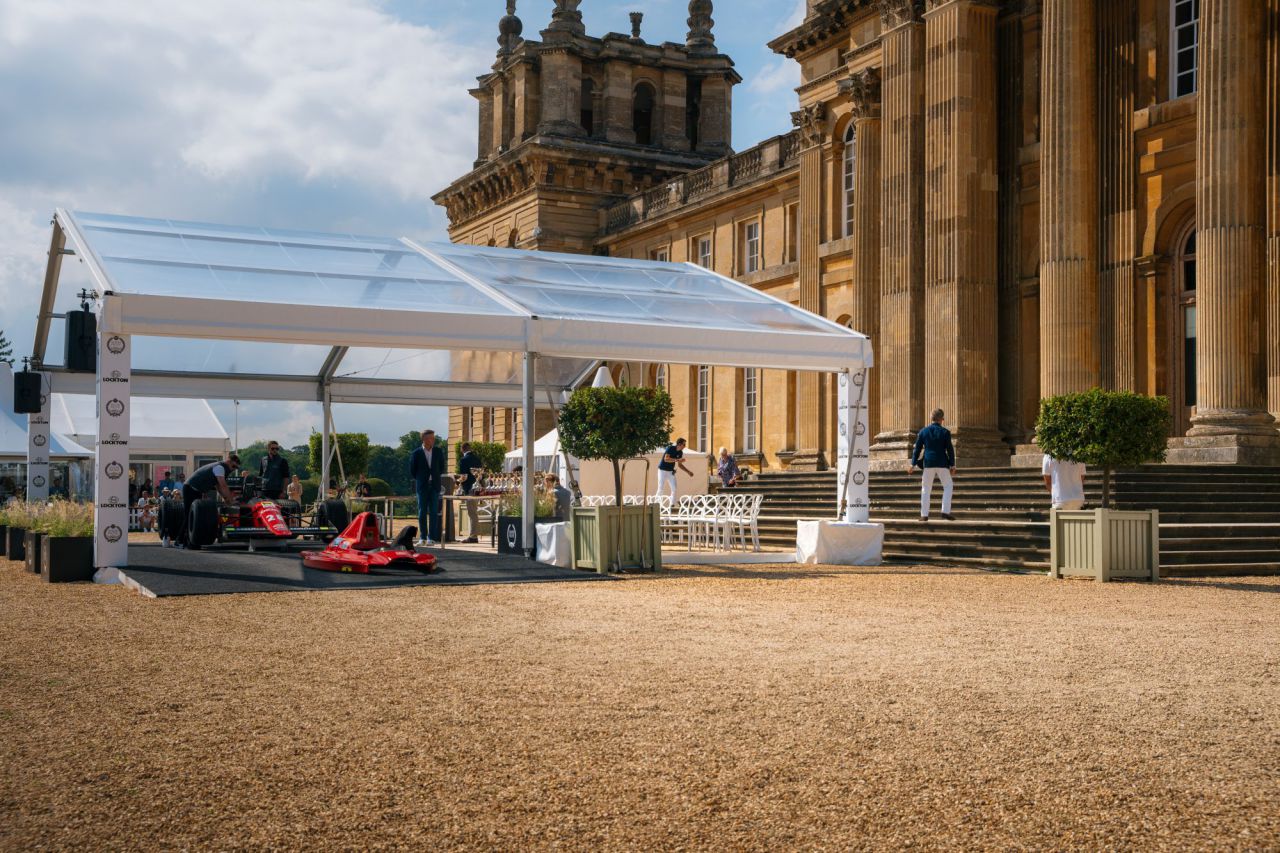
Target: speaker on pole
82 341
26 393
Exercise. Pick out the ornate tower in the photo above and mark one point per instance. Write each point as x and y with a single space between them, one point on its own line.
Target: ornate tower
571 123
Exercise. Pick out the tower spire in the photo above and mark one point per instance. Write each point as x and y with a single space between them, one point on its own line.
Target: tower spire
700 38
509 30
566 18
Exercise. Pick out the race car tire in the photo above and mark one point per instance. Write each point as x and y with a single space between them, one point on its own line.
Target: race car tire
202 526
169 519
291 511
334 513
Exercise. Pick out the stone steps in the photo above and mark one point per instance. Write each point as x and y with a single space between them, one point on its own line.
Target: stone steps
1214 520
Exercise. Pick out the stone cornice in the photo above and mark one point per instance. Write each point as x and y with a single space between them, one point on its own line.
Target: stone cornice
895 13
826 19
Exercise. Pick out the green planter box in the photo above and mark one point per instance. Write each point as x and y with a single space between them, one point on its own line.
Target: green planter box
31 545
594 537
16 541
65 559
1104 544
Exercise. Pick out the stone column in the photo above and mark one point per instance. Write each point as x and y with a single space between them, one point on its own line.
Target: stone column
900 356
961 193
1231 423
561 90
863 89
617 103
811 121
1068 199
1273 211
674 84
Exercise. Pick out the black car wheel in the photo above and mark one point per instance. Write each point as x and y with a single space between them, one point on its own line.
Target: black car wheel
334 513
202 526
169 520
291 511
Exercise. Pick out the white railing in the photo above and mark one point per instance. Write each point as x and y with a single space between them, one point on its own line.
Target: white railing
720 522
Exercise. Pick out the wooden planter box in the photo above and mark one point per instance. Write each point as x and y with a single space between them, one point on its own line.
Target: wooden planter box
594 536
15 547
511 533
66 559
31 544
1104 544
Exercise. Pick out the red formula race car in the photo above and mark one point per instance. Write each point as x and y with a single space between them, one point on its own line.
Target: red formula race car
361 550
249 518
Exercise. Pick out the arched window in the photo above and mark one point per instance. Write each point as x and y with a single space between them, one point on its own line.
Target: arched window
1184 37
642 113
660 376
848 180
1185 272
588 105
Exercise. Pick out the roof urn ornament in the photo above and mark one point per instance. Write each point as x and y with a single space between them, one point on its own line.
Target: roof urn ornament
509 30
700 38
636 18
566 18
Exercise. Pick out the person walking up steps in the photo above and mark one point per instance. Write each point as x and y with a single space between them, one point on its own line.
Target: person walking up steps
936 457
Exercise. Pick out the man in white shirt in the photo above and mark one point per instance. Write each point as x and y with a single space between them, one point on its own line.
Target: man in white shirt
1065 482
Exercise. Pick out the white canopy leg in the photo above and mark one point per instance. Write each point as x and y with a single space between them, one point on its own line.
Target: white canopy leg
529 533
854 465
323 491
111 474
38 446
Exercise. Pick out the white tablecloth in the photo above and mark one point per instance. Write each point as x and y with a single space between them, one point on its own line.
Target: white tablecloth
553 544
839 543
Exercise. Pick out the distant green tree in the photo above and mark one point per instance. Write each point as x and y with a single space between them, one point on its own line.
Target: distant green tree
354 447
1105 429
392 465
6 349
298 458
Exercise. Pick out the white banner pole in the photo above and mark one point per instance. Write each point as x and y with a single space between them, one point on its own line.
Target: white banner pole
111 480
38 446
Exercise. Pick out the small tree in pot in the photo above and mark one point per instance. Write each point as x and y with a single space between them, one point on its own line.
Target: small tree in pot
1109 430
615 424
1104 429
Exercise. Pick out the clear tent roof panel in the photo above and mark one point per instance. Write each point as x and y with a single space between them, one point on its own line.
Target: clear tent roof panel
248 300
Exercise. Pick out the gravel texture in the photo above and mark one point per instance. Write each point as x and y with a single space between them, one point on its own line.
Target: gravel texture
762 707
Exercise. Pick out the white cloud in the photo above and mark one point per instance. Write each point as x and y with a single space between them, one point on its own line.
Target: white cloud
321 114
780 75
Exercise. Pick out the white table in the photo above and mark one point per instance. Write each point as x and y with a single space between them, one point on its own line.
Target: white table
839 543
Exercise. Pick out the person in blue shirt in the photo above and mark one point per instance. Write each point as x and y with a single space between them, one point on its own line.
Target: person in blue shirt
935 456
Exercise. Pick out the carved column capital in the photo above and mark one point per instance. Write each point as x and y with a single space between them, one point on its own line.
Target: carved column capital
811 121
895 13
863 90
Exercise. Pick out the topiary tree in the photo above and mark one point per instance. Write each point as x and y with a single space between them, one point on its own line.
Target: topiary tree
354 447
615 424
1105 429
492 453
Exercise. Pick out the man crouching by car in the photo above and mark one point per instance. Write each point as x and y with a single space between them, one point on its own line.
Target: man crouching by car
206 479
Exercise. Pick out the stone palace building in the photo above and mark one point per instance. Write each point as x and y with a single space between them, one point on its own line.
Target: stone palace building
1012 199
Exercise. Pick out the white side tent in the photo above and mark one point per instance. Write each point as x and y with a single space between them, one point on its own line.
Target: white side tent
158 426
546 455
66 456
213 311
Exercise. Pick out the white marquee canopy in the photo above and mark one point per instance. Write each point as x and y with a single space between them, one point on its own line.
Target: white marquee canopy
218 311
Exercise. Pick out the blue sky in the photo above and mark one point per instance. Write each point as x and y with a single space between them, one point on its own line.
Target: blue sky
316 114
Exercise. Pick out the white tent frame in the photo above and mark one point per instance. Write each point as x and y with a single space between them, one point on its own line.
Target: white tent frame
122 314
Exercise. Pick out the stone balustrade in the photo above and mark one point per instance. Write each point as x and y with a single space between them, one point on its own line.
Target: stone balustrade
766 159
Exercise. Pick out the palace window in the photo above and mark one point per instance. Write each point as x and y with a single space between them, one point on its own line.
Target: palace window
587 110
493 425
660 376
704 406
1184 32
848 180
658 254
703 253
511 426
1186 273
642 114
793 232
750 410
750 246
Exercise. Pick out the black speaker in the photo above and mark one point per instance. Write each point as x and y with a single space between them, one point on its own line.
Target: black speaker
26 393
82 342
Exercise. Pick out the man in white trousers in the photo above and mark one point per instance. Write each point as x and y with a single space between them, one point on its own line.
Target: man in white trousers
935 455
1065 481
671 457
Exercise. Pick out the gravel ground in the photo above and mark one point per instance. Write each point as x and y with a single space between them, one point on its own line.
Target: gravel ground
749 708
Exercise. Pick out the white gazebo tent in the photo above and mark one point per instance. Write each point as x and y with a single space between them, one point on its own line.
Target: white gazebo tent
215 311
18 453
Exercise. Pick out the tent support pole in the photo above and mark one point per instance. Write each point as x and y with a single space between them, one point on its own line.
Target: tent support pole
323 492
527 509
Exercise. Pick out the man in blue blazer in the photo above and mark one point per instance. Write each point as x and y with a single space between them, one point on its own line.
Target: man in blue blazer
936 456
426 467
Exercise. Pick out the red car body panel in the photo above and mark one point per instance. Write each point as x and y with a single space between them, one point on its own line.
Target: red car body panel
360 549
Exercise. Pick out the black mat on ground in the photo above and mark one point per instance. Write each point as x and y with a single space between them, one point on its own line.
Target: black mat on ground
172 571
